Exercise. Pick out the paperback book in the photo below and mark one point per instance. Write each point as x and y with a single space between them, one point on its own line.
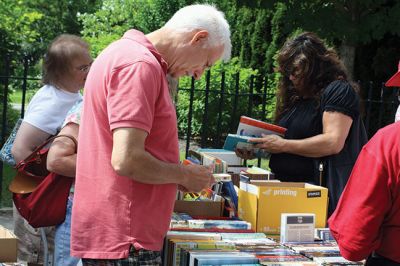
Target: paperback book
255 128
251 128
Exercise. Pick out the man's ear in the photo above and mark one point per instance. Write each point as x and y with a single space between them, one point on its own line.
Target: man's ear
199 37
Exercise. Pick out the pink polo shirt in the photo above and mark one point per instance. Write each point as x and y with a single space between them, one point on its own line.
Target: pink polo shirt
126 88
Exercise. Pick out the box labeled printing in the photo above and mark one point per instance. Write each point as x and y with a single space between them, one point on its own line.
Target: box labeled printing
262 203
8 246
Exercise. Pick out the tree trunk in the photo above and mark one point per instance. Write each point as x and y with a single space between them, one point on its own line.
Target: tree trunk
347 55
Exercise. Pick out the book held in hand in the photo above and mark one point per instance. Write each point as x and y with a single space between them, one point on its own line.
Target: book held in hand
255 128
251 128
234 141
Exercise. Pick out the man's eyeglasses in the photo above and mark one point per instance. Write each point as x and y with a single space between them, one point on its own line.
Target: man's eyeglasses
84 68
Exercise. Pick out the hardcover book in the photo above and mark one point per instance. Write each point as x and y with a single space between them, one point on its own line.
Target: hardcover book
223 224
251 128
234 141
255 128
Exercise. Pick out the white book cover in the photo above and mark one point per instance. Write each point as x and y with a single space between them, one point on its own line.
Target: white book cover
255 128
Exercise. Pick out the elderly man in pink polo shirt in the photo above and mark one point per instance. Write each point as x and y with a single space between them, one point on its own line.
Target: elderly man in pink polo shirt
128 167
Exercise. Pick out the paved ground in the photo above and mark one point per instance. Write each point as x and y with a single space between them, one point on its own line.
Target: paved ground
6 218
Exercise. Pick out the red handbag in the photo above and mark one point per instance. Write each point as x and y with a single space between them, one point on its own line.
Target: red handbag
39 195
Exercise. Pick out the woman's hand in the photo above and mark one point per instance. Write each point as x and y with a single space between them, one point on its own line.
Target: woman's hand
270 143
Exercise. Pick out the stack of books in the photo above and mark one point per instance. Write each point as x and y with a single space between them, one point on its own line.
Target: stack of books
322 252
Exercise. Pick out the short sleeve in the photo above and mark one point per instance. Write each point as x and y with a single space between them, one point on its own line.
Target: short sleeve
132 94
74 114
340 96
48 108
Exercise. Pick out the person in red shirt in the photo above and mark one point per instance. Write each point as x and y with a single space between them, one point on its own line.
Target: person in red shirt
366 222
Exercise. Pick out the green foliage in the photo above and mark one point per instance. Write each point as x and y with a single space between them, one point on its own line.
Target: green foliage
115 17
229 115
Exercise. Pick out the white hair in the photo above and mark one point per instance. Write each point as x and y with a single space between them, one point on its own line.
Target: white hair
204 17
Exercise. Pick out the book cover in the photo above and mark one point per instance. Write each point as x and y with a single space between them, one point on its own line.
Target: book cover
318 253
222 224
336 261
228 156
216 258
245 237
235 141
255 128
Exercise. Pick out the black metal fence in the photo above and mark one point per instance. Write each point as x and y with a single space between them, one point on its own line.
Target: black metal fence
206 113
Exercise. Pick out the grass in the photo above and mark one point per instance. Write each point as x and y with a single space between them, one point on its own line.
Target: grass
6 196
16 96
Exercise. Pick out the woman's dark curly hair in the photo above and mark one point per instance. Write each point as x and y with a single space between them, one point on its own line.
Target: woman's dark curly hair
309 60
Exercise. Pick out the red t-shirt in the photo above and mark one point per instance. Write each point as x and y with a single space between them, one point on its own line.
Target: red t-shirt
126 88
367 217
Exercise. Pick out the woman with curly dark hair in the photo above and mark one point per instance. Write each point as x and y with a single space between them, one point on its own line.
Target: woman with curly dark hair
319 106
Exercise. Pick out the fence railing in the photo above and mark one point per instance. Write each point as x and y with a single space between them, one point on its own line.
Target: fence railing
207 114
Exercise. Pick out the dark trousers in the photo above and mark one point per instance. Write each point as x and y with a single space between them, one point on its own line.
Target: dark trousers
135 258
378 260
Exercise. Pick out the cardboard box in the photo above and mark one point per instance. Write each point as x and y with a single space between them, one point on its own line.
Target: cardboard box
8 245
262 203
251 177
200 208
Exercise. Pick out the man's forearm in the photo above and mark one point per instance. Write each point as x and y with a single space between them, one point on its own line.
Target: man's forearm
141 166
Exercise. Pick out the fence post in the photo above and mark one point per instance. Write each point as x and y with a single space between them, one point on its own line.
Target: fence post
395 102
249 108
4 118
264 98
369 104
381 106
190 115
235 102
220 109
205 116
24 85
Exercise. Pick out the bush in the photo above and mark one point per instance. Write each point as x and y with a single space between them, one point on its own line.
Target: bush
222 115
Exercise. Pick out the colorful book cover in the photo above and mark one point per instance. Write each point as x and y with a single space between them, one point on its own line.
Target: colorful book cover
244 236
228 156
216 258
234 141
282 258
336 261
255 128
221 224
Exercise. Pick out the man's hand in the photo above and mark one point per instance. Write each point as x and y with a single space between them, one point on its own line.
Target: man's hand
197 177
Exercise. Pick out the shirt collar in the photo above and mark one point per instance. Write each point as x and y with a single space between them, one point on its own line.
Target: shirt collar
139 37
